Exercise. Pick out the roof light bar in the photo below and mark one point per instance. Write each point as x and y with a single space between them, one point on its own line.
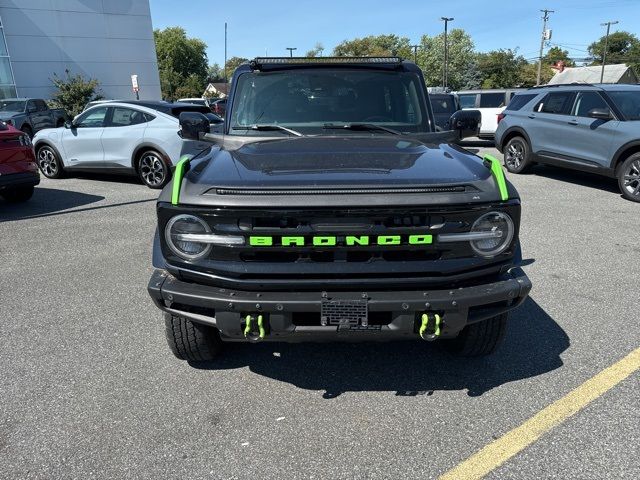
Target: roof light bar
259 61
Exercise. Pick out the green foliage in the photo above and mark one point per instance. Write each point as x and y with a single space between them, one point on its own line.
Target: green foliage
430 58
182 62
232 64
215 74
74 92
622 47
555 54
316 51
500 68
374 46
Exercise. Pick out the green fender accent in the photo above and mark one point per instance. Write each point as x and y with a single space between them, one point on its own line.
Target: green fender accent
425 324
178 175
496 169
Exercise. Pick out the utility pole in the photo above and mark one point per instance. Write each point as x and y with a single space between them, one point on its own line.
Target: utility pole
545 18
225 53
415 53
445 75
606 45
291 49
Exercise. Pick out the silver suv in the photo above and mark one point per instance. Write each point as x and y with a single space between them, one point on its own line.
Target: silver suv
593 128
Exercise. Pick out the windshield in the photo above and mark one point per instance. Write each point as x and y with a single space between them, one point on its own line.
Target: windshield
628 102
12 105
308 100
442 104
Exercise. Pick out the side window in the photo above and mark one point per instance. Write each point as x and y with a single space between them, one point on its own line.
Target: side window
125 117
519 101
31 106
93 118
41 106
492 100
467 100
587 101
556 102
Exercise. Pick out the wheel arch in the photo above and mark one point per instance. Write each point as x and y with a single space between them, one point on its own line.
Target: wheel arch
514 132
624 152
146 146
44 142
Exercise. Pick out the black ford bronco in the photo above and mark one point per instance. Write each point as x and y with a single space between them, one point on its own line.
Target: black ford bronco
329 208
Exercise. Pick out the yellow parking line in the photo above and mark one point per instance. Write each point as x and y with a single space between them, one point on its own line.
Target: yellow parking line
496 453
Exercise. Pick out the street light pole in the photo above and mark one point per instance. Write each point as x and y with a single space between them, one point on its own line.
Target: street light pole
415 53
225 52
291 49
606 45
446 21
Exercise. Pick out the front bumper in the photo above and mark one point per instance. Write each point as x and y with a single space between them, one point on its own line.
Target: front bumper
15 180
295 316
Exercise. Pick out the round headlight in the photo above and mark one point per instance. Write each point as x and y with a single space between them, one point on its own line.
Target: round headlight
499 231
178 228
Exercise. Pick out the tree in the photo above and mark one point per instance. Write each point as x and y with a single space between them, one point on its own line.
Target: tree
556 54
232 64
74 92
460 58
316 51
375 46
622 47
501 68
215 74
181 60
529 71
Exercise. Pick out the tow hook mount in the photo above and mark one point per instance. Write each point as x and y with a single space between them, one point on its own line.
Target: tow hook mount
256 327
430 326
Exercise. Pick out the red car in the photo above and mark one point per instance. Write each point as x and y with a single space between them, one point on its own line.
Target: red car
18 168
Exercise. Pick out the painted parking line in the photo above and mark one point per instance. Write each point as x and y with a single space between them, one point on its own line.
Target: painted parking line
498 452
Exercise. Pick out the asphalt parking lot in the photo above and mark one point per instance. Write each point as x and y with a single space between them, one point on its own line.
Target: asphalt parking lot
89 388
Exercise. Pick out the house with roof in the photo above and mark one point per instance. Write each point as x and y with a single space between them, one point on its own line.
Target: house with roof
620 73
216 90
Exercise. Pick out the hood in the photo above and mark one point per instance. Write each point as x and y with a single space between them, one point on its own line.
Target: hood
9 114
339 163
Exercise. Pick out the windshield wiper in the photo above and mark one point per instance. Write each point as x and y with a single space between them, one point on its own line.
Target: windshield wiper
360 126
272 127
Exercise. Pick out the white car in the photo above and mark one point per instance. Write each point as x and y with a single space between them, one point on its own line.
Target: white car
490 103
118 137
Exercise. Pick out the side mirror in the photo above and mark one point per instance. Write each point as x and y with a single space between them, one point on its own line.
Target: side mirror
68 124
193 125
601 114
466 122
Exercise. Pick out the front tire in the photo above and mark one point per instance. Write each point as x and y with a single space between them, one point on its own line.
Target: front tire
18 194
479 339
153 170
192 341
517 155
629 178
49 162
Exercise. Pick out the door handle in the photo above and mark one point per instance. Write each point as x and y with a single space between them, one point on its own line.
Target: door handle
532 116
573 122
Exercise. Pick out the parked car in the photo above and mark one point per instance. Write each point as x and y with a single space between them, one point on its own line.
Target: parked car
593 128
173 108
219 107
444 105
206 102
491 103
333 210
18 169
31 115
116 137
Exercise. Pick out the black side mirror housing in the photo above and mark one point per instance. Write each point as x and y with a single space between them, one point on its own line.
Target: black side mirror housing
69 124
466 122
193 125
601 114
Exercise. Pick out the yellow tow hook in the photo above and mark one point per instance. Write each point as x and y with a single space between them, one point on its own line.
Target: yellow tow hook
430 337
249 330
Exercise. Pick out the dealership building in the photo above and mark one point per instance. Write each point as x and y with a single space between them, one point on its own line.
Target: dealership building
106 40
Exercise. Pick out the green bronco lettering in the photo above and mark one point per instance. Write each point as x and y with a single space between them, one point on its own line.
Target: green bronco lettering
288 241
420 239
324 241
351 240
389 240
260 241
347 240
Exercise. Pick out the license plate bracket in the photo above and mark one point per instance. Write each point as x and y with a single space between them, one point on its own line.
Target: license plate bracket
344 312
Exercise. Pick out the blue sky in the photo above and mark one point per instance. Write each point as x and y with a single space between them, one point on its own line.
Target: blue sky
259 27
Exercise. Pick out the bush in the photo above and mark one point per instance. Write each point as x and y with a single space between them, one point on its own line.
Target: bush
74 92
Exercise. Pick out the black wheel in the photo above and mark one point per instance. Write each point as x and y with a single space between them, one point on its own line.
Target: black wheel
191 341
516 155
479 339
629 178
27 130
17 194
153 170
49 162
